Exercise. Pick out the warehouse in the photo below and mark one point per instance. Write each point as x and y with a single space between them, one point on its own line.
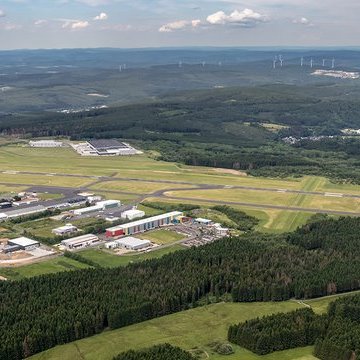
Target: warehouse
65 230
5 205
132 243
133 214
111 148
80 241
129 243
101 205
46 143
24 243
23 212
144 224
202 221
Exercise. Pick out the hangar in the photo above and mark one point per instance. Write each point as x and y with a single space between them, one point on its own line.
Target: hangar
111 147
143 225
80 241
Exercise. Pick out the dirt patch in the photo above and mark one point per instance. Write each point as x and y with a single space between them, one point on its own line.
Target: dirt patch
2 229
2 278
17 255
230 171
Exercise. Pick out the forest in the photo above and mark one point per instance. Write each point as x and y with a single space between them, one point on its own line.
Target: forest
336 335
41 312
223 128
279 332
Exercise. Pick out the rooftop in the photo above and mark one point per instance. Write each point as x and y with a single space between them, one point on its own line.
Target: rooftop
107 144
142 221
24 211
23 241
132 241
80 239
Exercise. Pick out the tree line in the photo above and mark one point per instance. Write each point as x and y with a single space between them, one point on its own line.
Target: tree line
157 352
336 335
278 332
41 312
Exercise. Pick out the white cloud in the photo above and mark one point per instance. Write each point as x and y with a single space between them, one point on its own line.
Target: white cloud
302 21
180 25
101 16
2 13
94 2
40 22
74 24
245 18
10 26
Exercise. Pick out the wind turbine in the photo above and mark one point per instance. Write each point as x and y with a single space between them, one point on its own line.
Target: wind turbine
311 63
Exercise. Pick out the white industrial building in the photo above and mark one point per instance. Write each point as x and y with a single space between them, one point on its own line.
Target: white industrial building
143 225
129 243
203 221
133 214
220 230
65 230
80 241
24 243
21 212
101 205
46 143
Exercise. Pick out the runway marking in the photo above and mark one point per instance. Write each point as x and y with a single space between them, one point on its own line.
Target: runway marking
334 194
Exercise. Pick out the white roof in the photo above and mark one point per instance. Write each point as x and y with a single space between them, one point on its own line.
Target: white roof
133 212
132 241
66 227
202 220
80 239
3 216
107 202
23 241
144 221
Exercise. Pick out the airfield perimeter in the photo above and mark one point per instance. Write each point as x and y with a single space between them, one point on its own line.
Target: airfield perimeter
281 204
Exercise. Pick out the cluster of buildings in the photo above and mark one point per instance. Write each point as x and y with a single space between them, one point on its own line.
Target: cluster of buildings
109 147
218 228
99 206
26 206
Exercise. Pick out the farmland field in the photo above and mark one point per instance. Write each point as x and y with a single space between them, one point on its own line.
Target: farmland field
178 329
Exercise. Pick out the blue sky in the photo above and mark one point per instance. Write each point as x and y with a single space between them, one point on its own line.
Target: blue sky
151 23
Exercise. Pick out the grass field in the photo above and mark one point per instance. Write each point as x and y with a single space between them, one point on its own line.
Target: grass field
107 259
190 329
136 187
162 236
40 268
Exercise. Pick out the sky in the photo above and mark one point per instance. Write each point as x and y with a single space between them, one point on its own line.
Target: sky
177 23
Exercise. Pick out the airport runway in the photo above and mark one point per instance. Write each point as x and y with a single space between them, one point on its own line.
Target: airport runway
69 191
101 179
264 206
